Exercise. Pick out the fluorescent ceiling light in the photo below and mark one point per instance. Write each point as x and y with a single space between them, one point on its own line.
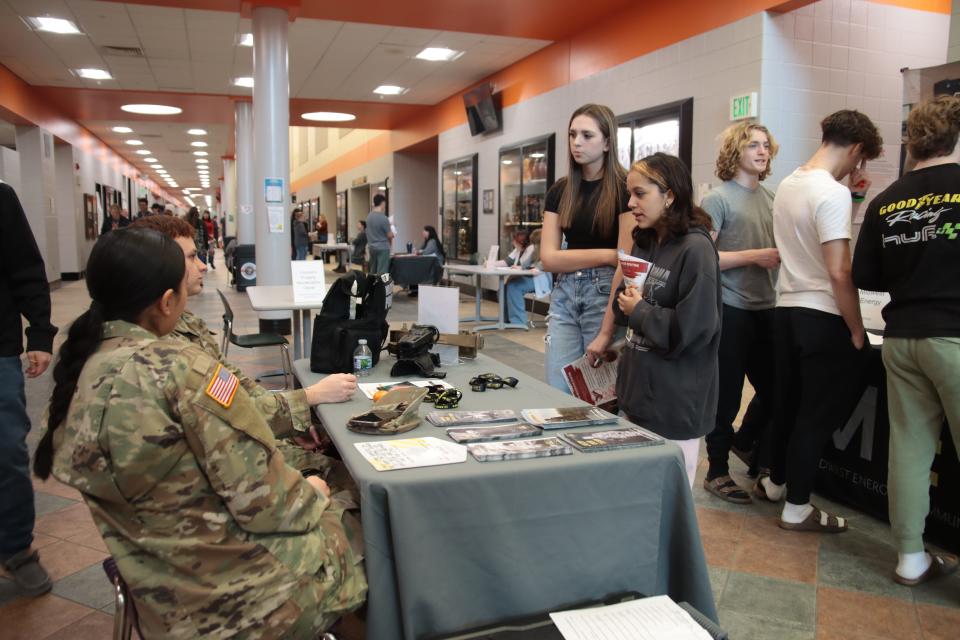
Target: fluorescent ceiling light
93 74
144 152
506 161
53 25
197 132
245 40
536 154
150 160
122 130
186 191
152 109
135 143
245 81
328 116
201 160
439 54
156 166
199 153
389 90
198 143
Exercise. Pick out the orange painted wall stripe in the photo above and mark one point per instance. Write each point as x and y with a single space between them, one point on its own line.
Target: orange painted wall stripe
21 104
615 40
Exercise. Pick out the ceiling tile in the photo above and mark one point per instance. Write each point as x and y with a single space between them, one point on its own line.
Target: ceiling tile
410 37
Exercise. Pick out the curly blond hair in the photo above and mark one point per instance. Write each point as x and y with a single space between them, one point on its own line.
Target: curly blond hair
732 142
933 127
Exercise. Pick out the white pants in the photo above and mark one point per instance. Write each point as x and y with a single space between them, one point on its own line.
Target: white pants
691 452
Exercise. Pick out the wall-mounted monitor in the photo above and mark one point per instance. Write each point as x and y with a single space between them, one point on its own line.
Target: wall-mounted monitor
483 110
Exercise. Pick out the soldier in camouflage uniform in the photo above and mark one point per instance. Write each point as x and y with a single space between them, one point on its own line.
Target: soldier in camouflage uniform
215 534
287 412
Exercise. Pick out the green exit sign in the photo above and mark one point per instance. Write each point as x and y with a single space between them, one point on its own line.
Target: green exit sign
743 106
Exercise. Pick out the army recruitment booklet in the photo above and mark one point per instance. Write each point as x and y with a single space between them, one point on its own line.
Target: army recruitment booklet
457 418
567 417
496 432
607 439
409 453
519 449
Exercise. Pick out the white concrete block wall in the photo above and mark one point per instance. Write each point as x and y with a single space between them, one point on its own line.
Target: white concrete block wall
842 54
10 167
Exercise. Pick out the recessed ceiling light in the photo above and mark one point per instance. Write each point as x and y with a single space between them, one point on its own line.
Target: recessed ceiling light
201 160
197 132
149 159
152 109
506 161
156 166
93 74
389 90
53 25
122 130
198 143
144 152
536 154
439 54
245 40
245 81
135 143
328 116
199 153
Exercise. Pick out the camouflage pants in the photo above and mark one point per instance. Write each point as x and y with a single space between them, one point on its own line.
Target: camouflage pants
343 489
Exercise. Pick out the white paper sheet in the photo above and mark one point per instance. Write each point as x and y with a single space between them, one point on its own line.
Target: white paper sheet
655 618
276 217
871 304
440 306
369 388
408 453
309 285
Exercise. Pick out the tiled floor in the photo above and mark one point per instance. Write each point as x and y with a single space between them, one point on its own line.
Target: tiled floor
768 583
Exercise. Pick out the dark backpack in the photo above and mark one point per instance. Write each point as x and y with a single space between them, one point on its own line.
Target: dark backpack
336 335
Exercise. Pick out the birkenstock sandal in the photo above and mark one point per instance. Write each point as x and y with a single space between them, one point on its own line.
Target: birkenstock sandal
726 489
941 564
817 521
760 492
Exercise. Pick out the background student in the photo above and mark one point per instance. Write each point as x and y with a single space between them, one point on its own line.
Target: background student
518 286
588 209
667 379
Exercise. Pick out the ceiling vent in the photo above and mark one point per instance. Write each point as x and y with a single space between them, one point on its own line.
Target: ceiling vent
123 52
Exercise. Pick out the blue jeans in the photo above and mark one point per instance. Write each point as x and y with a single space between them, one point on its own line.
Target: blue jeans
302 253
16 491
516 288
577 304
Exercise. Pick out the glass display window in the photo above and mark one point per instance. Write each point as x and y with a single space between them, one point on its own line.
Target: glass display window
342 231
526 173
459 209
667 128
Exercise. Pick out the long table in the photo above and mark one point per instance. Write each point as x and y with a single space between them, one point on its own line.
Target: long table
501 274
458 546
280 298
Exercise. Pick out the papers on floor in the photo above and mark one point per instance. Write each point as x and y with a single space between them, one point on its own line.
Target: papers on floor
370 388
655 618
409 453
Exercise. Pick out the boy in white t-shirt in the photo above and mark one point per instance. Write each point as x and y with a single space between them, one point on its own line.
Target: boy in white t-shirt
819 338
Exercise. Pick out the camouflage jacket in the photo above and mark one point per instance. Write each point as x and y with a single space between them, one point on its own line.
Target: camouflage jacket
215 534
282 410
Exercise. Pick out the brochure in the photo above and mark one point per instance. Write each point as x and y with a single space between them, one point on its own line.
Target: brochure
498 432
612 439
457 418
596 385
370 388
566 417
634 269
519 449
409 453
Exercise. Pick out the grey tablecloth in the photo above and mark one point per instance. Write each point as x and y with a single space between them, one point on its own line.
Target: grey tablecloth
405 270
457 546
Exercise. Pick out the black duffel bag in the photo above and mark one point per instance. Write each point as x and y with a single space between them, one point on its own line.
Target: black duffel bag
336 335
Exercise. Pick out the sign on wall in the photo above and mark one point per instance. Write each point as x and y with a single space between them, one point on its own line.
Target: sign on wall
743 106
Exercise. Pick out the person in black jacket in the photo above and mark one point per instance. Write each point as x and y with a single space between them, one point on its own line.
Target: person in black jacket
909 245
23 292
116 220
668 379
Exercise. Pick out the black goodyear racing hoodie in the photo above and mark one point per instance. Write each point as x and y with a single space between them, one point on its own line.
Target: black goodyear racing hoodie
668 379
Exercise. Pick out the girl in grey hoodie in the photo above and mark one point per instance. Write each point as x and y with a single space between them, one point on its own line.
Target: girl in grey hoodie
668 378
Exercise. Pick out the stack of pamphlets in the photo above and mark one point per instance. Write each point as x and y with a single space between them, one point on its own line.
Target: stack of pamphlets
457 418
612 439
409 453
496 432
567 417
519 449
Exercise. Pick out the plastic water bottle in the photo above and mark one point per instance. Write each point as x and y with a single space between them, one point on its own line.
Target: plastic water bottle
362 359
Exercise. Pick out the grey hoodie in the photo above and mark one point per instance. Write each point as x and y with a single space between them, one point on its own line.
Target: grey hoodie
668 378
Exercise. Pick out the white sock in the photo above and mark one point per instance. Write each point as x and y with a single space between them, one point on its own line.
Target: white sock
795 513
774 491
912 565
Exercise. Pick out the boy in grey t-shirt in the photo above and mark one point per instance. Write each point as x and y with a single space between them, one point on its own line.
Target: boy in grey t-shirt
379 236
742 213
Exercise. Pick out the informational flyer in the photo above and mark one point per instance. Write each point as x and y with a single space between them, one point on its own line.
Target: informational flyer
596 385
871 304
276 217
370 388
309 284
273 190
410 453
654 618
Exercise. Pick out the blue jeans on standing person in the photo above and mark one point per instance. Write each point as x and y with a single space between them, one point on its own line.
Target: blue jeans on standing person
302 253
517 287
16 491
577 304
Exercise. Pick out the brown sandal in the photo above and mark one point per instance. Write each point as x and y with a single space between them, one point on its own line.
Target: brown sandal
941 564
761 492
817 521
726 489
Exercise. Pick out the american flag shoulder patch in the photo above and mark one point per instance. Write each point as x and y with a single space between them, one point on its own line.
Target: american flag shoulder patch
223 386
